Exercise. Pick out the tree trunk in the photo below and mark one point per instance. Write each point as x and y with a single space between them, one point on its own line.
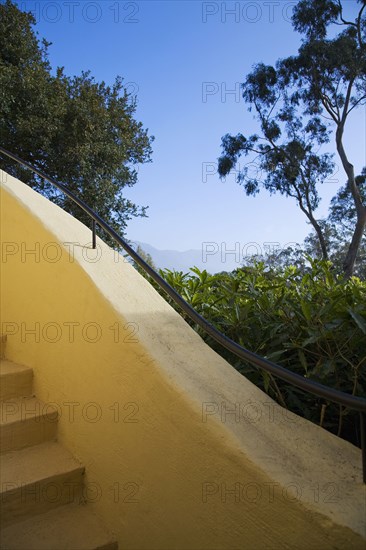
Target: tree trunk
317 228
319 232
351 256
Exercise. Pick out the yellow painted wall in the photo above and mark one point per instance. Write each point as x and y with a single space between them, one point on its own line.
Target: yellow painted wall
181 452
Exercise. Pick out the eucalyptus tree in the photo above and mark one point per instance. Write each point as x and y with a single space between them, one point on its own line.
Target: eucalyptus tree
301 104
285 152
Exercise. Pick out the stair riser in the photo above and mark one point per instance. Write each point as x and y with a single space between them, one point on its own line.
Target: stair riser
18 503
16 385
28 431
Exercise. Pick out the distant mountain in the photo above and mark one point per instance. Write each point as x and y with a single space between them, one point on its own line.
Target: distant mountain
183 261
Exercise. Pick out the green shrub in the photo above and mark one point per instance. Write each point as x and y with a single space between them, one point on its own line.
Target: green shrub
312 323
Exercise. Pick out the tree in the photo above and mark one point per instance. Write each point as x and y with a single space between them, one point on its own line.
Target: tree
342 211
285 151
79 131
339 226
337 230
330 75
148 259
311 93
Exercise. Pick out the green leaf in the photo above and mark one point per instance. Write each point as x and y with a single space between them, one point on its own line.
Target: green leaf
360 321
275 355
303 361
266 380
311 340
306 309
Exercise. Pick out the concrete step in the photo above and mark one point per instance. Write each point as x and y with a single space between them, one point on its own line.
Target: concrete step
15 380
38 479
3 339
67 528
25 422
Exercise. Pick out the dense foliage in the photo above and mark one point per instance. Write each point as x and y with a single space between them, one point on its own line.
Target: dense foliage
313 324
300 104
77 130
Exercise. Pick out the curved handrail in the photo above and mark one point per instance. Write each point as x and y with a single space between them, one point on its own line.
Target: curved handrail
342 398
336 396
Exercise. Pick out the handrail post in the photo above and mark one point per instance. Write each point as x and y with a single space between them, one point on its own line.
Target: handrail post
94 234
363 444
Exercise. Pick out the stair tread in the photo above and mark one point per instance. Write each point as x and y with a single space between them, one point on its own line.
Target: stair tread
36 463
17 409
9 367
70 527
15 380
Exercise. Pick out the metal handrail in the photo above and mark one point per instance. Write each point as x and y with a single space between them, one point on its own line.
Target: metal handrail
310 386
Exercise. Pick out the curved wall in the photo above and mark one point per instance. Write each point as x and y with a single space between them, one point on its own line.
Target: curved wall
180 450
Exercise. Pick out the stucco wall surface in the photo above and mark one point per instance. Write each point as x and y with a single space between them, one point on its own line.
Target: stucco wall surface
181 451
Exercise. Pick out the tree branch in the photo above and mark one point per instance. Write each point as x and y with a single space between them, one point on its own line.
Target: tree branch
329 108
358 102
341 16
347 101
359 27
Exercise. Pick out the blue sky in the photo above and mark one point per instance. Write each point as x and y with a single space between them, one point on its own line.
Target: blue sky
185 60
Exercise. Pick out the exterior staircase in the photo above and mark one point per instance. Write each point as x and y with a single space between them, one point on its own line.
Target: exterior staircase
42 502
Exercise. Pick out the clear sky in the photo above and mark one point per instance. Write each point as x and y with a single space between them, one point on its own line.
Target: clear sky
185 60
